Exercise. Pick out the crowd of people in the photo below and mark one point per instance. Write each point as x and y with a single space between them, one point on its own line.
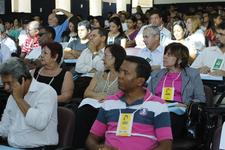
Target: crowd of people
120 101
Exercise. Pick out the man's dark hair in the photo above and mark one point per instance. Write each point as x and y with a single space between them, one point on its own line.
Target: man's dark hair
157 12
49 29
222 26
102 32
143 68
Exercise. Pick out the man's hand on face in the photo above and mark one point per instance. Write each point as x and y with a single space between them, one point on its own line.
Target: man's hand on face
92 46
18 89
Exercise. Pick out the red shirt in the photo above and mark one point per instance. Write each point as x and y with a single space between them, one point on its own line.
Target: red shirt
30 43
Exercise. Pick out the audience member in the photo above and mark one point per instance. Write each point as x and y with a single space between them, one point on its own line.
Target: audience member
23 33
153 52
103 84
53 21
71 33
51 73
97 22
116 34
179 34
31 44
131 31
196 35
214 22
46 35
38 19
133 118
75 47
30 117
15 30
155 19
211 60
7 41
177 83
90 60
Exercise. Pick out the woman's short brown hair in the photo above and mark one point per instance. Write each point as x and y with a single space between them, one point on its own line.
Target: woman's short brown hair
180 52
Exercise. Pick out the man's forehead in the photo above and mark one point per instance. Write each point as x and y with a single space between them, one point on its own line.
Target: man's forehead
127 65
81 27
51 15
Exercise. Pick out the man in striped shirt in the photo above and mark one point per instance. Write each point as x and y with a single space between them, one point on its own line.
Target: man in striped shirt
132 119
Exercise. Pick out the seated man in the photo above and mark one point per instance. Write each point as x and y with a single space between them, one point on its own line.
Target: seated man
90 61
46 35
133 118
211 59
30 117
31 43
153 52
75 47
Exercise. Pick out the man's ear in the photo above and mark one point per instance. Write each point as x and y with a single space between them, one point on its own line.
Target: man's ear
140 81
56 57
103 38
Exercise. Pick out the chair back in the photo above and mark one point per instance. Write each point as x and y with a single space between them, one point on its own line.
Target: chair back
132 51
208 95
66 122
216 138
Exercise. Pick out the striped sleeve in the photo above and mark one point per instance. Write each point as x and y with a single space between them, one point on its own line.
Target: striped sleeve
100 125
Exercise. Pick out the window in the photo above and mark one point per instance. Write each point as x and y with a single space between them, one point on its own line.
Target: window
63 4
21 6
95 7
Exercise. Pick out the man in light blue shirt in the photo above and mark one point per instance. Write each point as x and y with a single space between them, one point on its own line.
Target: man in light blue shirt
53 21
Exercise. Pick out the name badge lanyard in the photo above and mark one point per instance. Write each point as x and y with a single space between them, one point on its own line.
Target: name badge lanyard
107 85
168 92
125 123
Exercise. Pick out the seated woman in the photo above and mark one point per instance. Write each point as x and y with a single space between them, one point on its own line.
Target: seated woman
51 73
101 85
116 34
131 31
196 36
177 83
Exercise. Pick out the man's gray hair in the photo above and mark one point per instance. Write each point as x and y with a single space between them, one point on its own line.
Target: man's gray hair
16 67
85 23
34 25
153 30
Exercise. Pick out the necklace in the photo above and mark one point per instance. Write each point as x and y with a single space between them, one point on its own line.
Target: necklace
39 74
108 84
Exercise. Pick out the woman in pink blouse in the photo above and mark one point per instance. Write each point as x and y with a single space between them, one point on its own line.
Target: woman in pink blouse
178 84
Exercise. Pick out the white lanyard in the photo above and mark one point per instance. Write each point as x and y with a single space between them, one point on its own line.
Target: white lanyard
107 85
172 81
38 77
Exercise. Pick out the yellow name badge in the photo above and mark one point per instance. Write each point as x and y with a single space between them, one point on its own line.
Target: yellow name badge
168 93
124 125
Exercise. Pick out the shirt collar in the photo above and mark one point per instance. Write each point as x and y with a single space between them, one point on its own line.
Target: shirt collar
33 86
158 49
